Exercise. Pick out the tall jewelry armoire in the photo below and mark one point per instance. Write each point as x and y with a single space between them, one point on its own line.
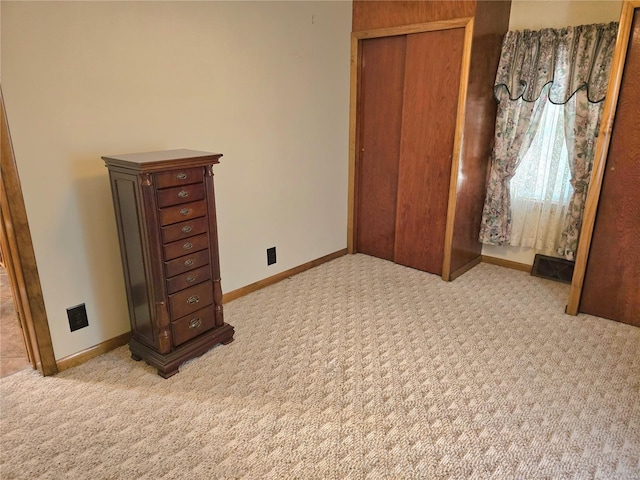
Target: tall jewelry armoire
166 220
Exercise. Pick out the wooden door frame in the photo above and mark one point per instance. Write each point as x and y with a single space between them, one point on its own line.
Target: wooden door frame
356 62
20 261
602 150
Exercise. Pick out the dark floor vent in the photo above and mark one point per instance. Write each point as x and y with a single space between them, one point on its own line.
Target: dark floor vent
552 268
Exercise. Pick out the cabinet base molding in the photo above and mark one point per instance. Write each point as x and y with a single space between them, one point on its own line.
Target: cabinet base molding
168 364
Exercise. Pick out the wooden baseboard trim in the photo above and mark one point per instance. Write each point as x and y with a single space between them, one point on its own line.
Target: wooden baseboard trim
501 262
104 347
91 352
465 268
241 292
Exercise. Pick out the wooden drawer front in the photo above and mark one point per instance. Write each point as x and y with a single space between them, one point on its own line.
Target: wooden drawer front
179 177
186 246
186 263
192 299
182 230
193 325
178 195
183 212
187 279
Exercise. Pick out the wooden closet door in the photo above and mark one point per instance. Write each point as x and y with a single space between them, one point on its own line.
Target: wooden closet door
612 279
380 118
431 86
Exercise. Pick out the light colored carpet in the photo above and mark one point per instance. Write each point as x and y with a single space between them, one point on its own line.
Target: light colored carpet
356 369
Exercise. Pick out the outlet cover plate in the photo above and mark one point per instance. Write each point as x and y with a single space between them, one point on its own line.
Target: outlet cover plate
77 317
271 256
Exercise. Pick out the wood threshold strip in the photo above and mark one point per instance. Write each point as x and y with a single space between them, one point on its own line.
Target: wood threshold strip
241 292
501 262
92 352
600 157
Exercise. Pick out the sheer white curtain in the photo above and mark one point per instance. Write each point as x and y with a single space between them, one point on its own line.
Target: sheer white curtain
541 188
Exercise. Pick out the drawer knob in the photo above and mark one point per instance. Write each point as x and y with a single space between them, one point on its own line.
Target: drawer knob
186 229
195 323
184 211
191 279
193 299
183 194
187 246
188 262
181 176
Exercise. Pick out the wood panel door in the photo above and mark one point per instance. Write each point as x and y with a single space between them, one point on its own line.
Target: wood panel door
612 279
430 102
381 88
406 126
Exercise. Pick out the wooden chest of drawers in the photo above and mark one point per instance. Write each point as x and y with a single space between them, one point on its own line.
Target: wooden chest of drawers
166 218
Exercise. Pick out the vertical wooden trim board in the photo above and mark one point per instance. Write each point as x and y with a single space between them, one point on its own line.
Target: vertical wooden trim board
7 247
356 38
600 159
457 150
353 107
20 257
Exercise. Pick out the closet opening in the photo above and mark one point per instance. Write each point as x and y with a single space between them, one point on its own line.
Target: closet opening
408 107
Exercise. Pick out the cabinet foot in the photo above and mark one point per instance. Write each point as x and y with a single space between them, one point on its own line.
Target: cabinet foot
167 373
167 364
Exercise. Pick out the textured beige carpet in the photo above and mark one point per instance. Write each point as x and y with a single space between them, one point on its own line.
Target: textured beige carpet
358 368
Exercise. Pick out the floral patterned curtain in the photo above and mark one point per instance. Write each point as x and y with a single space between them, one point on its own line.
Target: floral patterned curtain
547 65
581 125
516 123
570 59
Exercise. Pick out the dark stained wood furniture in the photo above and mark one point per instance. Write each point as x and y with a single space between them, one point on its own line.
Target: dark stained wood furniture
166 218
422 120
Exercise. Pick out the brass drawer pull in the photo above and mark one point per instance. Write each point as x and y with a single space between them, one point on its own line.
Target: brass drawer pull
191 279
193 299
188 262
181 176
183 194
187 246
185 211
195 323
186 229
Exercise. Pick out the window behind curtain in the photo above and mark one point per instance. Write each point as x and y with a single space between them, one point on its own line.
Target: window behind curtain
540 189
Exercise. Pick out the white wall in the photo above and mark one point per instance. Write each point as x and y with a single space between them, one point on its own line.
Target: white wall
535 15
264 83
538 14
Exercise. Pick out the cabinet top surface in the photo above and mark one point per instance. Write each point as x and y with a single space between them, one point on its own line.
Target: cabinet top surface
150 161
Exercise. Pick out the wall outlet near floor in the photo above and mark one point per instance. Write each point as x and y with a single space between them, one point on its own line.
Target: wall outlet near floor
271 256
77 317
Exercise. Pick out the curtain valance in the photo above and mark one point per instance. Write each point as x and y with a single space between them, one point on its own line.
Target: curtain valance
570 58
